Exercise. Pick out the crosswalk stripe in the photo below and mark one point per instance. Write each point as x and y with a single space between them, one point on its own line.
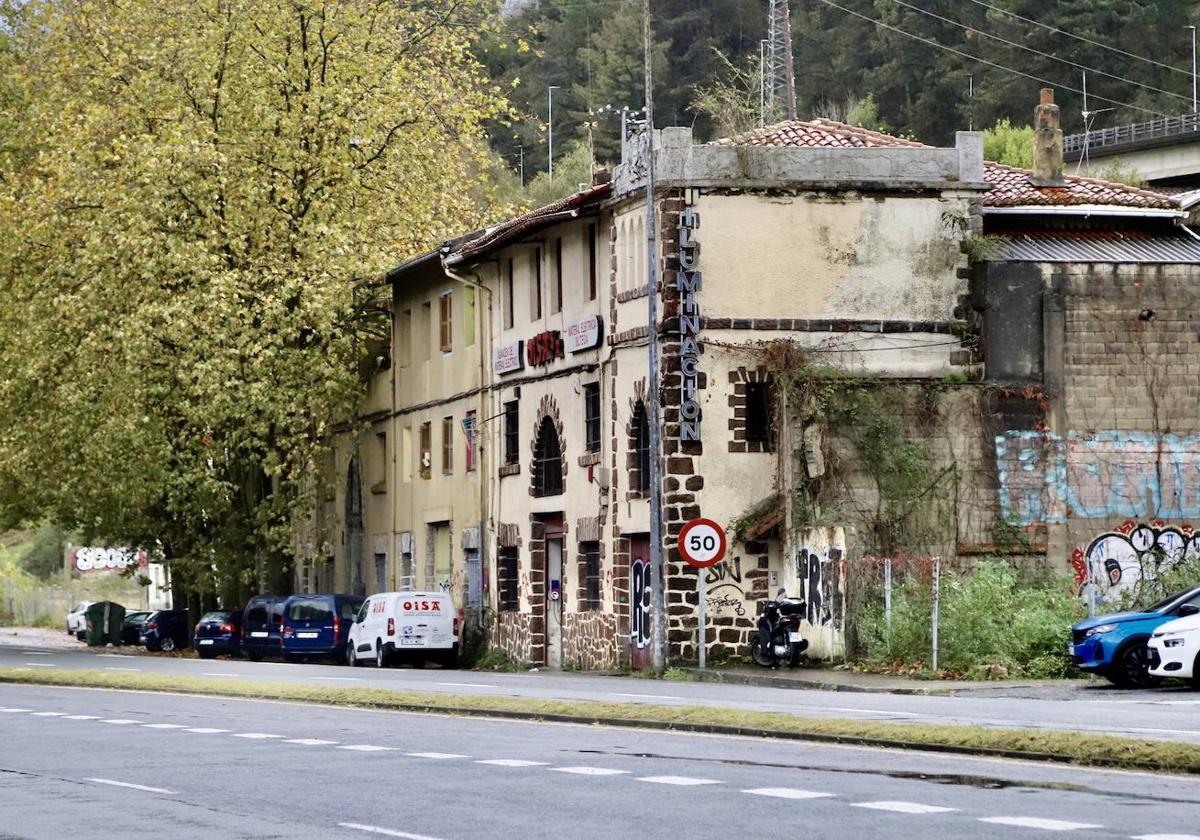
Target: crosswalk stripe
788 793
904 807
1039 822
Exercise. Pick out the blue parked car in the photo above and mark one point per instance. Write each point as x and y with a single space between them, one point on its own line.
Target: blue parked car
166 630
1114 645
318 625
219 632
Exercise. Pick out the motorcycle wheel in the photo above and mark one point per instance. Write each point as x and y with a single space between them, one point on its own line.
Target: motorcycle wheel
795 657
760 651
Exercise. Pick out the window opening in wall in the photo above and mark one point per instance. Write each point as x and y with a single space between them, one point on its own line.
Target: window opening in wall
447 445
381 461
591 266
547 461
446 333
758 411
641 440
508 296
426 449
556 301
591 416
512 432
406 454
469 316
589 554
507 572
422 333
405 338
536 307
470 430
381 573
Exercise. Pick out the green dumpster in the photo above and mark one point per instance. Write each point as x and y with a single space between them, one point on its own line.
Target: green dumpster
104 620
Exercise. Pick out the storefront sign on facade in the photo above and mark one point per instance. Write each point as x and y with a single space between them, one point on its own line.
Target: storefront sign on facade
584 334
544 348
688 282
508 358
99 559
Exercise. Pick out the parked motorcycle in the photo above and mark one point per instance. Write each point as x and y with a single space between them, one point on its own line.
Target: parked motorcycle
778 640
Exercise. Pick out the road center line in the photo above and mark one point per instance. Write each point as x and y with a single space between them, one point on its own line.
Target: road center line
387 832
1038 822
308 742
341 679
39 665
120 721
647 696
680 781
217 674
123 669
511 762
116 655
37 653
903 807
205 730
466 685
81 717
163 726
1166 837
256 736
366 748
15 711
870 711
591 771
435 755
129 785
788 793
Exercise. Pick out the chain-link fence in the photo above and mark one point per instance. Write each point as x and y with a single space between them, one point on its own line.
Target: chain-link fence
35 603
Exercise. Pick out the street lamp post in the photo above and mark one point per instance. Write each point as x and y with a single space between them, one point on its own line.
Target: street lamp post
550 126
1193 68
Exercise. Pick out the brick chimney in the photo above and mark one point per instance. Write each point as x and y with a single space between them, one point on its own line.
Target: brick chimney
1047 143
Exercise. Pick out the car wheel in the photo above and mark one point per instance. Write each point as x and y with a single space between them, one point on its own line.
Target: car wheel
81 636
166 645
351 655
380 655
1130 668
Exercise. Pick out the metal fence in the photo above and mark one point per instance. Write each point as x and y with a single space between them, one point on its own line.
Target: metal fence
24 602
1074 144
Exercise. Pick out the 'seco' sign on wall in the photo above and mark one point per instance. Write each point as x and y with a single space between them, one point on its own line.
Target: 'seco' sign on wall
97 559
688 282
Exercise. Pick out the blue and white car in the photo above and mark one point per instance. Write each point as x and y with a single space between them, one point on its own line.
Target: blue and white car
1114 645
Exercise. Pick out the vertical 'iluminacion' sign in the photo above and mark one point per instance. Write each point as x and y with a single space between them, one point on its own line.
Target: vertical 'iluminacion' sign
688 282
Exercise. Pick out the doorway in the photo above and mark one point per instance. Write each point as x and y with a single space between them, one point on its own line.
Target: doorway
641 654
554 535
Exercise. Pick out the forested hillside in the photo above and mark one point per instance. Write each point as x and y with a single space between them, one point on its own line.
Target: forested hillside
1136 53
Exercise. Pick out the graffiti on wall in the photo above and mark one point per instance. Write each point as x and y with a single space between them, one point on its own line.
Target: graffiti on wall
639 606
1116 561
817 575
1047 478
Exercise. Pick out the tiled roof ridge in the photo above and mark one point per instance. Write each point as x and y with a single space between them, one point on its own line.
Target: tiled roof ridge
1116 186
846 130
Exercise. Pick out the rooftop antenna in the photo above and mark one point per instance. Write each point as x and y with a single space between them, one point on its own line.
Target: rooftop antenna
780 76
1088 119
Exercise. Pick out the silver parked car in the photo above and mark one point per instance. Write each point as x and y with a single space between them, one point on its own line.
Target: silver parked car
77 620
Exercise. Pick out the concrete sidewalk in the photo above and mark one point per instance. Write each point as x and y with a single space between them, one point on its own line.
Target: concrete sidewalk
833 679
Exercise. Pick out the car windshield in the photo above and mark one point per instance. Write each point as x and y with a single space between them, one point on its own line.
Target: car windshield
1166 602
215 616
309 610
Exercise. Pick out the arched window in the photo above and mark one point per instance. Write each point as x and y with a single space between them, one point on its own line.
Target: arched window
639 479
547 461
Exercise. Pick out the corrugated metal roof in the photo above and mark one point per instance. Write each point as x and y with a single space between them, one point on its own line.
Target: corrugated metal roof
1097 246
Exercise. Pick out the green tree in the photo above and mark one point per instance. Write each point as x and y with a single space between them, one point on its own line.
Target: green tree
1008 143
42 556
199 190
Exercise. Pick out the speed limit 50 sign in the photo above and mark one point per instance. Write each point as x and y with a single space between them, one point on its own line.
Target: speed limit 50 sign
702 543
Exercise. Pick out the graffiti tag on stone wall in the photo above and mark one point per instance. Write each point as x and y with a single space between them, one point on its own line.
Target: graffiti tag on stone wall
724 586
1115 562
819 574
1047 478
639 608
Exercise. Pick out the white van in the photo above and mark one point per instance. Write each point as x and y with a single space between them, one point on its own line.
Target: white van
417 626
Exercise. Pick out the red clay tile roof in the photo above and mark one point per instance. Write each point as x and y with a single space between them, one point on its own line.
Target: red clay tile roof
1011 188
1010 185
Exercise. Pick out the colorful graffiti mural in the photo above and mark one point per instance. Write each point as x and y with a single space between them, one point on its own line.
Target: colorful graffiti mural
1117 561
1045 477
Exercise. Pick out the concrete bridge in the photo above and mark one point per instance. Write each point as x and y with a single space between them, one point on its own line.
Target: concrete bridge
1165 152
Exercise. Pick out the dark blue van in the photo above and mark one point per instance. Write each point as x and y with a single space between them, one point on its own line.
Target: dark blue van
318 625
262 621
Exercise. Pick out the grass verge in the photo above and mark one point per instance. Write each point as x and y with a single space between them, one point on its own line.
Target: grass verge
1069 747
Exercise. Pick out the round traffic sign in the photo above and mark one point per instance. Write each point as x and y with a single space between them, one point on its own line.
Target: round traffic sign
702 543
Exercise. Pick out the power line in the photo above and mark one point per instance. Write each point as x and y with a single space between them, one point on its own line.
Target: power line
1058 31
1038 52
988 63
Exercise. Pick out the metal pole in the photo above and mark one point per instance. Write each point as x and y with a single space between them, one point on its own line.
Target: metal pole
762 84
550 130
887 597
522 148
937 594
787 59
701 624
656 549
1193 68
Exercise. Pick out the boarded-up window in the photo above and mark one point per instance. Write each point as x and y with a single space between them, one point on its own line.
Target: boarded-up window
447 445
446 330
507 572
426 448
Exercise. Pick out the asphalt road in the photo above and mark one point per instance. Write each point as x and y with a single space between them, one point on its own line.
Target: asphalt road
108 764
1164 714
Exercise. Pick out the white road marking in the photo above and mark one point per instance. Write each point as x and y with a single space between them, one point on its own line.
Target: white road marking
342 679
15 711
48 714
1166 837
256 736
435 755
309 742
122 669
129 785
36 653
163 726
467 685
39 665
511 762
387 832
217 674
120 721
366 748
870 711
1038 822
904 807
681 781
788 793
590 771
647 696
81 717
116 655
205 730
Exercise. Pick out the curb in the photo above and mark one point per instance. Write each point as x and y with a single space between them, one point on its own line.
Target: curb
765 681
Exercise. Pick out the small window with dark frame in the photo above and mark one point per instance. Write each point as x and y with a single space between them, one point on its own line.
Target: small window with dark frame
556 299
509 298
591 266
425 445
537 285
758 411
547 461
591 416
445 319
641 448
447 445
589 561
507 574
512 432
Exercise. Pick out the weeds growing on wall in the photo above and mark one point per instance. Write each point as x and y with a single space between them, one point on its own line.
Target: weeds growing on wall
991 624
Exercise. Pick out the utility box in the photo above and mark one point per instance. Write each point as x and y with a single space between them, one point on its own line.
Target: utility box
104 622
